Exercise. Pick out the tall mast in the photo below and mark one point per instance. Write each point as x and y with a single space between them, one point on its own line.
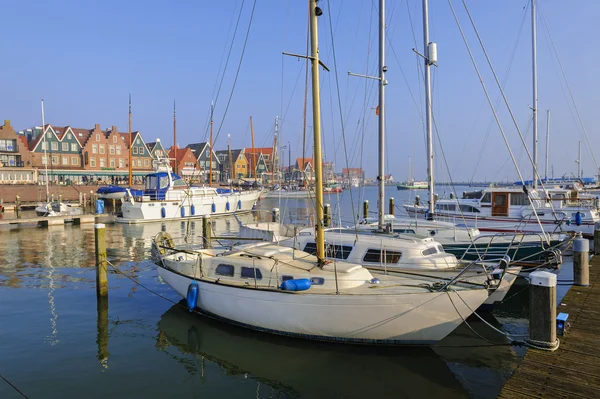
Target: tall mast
547 143
45 151
231 172
130 146
274 149
175 136
314 47
429 60
210 145
254 166
579 161
382 83
535 91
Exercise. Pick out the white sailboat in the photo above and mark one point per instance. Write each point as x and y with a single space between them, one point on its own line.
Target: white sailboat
285 291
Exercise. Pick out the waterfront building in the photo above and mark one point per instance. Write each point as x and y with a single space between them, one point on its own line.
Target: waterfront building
240 164
205 157
185 163
15 158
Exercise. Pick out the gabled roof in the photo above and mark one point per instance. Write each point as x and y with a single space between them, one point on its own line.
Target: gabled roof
259 150
35 142
251 166
199 148
303 164
235 154
181 153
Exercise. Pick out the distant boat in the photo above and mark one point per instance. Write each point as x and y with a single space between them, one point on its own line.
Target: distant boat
412 185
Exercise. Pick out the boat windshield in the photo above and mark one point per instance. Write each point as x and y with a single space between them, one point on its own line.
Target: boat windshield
151 182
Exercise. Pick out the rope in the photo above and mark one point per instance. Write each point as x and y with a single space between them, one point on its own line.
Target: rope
14 387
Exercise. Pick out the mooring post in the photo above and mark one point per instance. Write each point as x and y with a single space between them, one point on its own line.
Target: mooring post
60 198
597 238
542 309
275 213
392 209
101 264
581 260
327 215
206 231
84 203
18 206
114 206
102 330
81 199
366 209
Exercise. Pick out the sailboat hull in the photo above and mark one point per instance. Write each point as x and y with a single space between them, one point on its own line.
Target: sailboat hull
420 318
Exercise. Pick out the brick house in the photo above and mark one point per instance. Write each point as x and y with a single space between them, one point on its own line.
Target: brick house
185 163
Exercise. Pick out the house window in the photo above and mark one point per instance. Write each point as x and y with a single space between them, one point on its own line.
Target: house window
93 162
65 160
112 163
382 256
135 150
102 149
102 163
120 163
74 161
118 150
68 135
97 137
74 147
65 147
139 162
44 160
225 270
146 163
251 272
54 160
111 149
114 138
94 148
44 146
54 146
49 134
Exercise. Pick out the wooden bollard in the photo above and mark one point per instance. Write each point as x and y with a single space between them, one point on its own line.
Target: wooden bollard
597 238
80 199
327 215
18 206
206 231
392 209
581 261
101 264
542 309
275 214
114 206
60 198
366 209
84 203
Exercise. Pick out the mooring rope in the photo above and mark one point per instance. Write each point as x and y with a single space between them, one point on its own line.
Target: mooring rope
14 386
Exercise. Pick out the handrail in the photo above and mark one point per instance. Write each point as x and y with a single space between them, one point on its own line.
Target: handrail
505 259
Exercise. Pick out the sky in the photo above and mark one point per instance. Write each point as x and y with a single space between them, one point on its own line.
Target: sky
84 58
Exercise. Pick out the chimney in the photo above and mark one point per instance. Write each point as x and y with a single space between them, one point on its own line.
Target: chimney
113 129
7 123
97 126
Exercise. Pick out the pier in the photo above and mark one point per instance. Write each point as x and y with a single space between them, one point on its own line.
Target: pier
574 369
58 220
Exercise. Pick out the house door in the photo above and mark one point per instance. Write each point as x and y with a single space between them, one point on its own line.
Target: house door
499 204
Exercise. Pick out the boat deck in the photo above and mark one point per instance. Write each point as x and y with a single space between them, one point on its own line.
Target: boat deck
573 370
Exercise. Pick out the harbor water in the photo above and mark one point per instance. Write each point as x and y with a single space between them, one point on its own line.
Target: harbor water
57 341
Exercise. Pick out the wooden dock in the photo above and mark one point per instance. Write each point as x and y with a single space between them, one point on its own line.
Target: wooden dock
58 220
572 371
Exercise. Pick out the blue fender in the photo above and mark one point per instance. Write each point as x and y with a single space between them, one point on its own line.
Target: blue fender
182 211
227 206
163 212
239 204
192 296
192 210
214 208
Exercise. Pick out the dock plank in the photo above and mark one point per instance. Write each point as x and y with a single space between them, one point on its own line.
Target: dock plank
573 371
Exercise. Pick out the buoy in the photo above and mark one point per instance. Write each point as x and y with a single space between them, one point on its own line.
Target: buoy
227 205
192 296
182 212
239 204
192 210
214 208
163 212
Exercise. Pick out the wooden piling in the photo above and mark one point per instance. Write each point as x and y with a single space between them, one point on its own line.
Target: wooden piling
366 209
60 198
81 199
392 209
597 238
542 309
206 231
114 206
275 213
84 203
102 330
581 259
101 264
18 206
327 215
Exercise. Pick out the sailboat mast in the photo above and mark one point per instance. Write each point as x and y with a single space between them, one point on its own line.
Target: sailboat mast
428 113
45 151
175 135
274 149
547 143
535 91
314 47
254 166
210 145
130 146
231 172
579 162
382 83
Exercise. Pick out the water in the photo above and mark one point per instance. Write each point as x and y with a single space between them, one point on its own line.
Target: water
57 342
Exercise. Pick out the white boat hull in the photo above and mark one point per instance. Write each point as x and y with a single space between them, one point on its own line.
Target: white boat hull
419 318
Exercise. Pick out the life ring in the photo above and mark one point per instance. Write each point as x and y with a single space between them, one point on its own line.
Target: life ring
164 241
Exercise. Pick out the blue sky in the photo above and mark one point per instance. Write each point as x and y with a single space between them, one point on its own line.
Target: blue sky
85 57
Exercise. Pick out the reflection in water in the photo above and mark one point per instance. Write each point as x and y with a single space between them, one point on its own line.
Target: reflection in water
303 368
49 263
102 331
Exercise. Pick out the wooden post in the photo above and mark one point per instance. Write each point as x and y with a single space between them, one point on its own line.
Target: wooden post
206 231
93 202
101 264
275 213
84 203
542 309
114 206
81 199
366 209
392 209
597 238
327 215
581 258
18 206
60 198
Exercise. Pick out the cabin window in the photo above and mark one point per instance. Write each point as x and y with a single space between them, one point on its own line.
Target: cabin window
286 278
317 280
430 251
331 250
251 272
225 270
446 207
487 197
518 199
440 249
404 231
164 182
468 208
382 256
311 248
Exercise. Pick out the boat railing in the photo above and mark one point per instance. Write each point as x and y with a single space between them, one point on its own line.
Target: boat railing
502 264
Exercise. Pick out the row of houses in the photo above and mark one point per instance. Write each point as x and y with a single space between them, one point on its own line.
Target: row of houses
73 156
